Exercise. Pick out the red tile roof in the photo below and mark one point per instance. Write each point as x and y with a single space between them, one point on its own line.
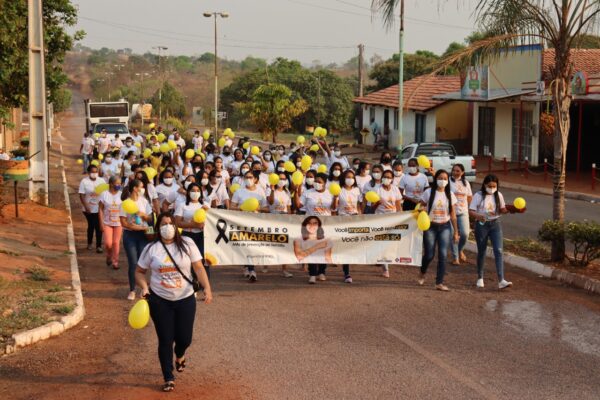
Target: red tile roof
418 93
586 60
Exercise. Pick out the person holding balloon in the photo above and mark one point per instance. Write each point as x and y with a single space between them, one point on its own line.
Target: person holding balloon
462 190
363 174
136 217
372 186
348 202
309 181
412 185
89 201
280 202
109 206
175 263
440 205
166 190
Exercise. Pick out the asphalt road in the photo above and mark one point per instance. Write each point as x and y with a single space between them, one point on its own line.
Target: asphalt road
283 339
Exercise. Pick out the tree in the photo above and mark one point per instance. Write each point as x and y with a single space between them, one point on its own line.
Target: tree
207 58
173 102
272 109
417 64
251 63
14 73
558 23
62 100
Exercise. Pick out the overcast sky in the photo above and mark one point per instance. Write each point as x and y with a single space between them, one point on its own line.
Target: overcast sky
306 30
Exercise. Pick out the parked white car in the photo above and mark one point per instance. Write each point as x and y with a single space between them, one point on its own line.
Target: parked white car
441 156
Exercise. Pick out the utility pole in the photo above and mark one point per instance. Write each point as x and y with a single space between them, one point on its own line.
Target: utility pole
215 15
109 75
318 97
142 102
401 79
162 83
38 151
361 50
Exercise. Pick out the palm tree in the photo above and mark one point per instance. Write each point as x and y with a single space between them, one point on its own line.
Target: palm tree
556 23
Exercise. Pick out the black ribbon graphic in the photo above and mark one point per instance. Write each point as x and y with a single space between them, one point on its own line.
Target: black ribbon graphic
222 228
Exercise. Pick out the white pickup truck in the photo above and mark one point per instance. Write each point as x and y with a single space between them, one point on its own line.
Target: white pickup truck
441 156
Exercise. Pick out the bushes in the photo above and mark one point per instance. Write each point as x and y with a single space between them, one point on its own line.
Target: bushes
584 236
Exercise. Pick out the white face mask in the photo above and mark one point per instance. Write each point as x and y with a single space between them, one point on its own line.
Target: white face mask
244 170
337 153
356 167
141 191
337 173
349 181
441 183
397 173
386 181
249 182
367 171
376 175
318 186
204 181
310 181
167 231
93 175
267 157
298 164
490 190
168 181
412 170
186 184
108 160
194 195
282 183
280 169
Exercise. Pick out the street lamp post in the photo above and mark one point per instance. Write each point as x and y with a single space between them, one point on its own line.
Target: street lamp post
141 75
109 75
216 14
401 78
160 70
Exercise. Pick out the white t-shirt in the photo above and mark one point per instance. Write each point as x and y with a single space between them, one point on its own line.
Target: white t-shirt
317 203
439 212
397 180
414 186
112 208
318 257
103 145
197 142
219 193
348 201
165 280
361 181
125 150
242 194
235 166
87 187
143 206
137 139
487 205
187 211
117 143
167 193
109 170
88 145
281 201
461 191
342 160
388 199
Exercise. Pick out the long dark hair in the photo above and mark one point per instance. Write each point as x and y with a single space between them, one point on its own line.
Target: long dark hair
345 175
181 245
462 178
434 188
189 190
491 178
379 166
333 165
304 231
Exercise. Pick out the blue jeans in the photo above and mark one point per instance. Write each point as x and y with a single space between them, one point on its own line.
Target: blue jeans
493 231
87 159
462 221
133 242
440 234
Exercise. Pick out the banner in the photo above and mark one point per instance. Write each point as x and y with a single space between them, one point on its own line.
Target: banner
242 238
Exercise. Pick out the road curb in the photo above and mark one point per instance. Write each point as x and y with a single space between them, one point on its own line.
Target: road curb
589 284
546 191
55 328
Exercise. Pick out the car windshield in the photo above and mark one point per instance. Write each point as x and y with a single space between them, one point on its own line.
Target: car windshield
111 128
436 149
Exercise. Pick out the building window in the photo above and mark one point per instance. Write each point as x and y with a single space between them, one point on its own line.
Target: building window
371 114
420 128
486 131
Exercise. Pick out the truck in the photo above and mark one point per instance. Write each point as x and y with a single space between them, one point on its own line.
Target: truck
112 116
441 156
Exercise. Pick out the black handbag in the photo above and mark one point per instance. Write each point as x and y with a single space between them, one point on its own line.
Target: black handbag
194 281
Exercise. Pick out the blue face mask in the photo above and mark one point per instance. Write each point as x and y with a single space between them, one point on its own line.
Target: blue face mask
118 187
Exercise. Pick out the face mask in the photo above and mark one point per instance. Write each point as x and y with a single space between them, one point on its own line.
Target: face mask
318 186
267 157
167 231
490 190
349 181
168 181
204 182
244 170
281 152
310 181
386 159
367 171
298 164
397 173
386 181
194 195
129 144
108 160
337 173
249 182
356 167
282 183
226 153
441 183
141 191
412 170
186 184
337 153
117 187
280 169
376 175
93 175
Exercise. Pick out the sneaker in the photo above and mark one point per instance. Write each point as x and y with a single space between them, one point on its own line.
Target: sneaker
312 280
265 269
246 273
386 274
348 279
131 295
504 284
442 287
90 247
480 283
322 277
421 280
252 276
99 250
288 274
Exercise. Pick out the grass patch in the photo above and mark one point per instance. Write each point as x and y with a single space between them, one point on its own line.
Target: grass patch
52 298
527 247
10 253
56 289
64 310
39 274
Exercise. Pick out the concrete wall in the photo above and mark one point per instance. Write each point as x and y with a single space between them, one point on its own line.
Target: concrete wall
409 124
514 67
9 137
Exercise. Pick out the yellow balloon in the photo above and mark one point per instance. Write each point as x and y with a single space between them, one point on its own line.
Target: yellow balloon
297 178
221 142
138 145
306 163
323 132
231 135
335 189
423 161
203 155
147 153
164 148
251 204
152 125
273 179
227 131
322 169
519 203
96 135
130 206
314 147
289 166
155 149
150 172
148 136
101 188
100 156
255 150
80 161
206 134
139 315
210 259
372 197
161 137
190 153
246 145
317 131
180 230
172 144
95 163
234 187
300 139
423 221
200 216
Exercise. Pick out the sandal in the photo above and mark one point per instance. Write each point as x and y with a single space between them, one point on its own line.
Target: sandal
168 386
180 366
